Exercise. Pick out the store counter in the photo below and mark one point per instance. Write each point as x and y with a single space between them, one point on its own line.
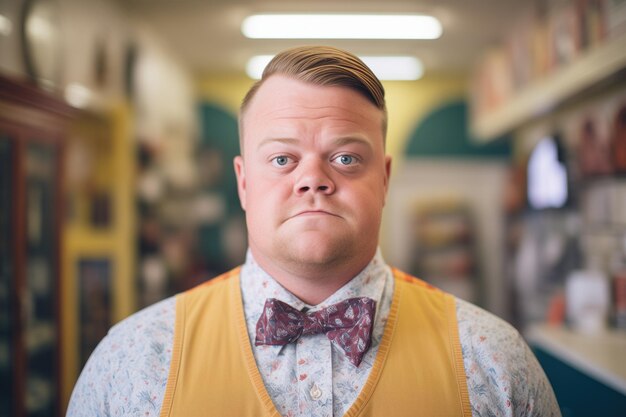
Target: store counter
587 372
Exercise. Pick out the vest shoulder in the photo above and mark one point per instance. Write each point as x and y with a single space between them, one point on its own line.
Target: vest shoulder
214 284
402 278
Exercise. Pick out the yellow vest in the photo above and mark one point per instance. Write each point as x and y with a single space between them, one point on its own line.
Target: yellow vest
418 370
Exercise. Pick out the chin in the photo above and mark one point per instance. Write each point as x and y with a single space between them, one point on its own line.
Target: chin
318 253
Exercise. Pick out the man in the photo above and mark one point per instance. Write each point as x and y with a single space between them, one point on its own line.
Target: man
314 323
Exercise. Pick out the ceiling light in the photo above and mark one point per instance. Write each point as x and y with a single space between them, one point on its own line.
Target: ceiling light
385 67
340 26
77 95
395 67
256 65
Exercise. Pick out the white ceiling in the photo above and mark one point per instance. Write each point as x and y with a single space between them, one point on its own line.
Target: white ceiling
206 35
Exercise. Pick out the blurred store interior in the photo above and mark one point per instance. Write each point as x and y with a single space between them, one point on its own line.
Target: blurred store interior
118 126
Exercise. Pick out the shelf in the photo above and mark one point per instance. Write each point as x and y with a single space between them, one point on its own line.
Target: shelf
541 96
600 356
616 230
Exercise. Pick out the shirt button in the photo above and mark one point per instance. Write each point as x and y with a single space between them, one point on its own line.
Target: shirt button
315 392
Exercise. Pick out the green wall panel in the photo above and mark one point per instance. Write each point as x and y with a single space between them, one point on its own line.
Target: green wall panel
445 133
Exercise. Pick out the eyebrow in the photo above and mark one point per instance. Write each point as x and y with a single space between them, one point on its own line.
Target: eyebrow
286 141
347 140
340 141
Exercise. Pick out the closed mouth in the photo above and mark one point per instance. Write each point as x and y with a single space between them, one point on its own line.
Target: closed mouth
315 213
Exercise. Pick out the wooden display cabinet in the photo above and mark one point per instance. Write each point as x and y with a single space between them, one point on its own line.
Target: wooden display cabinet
32 132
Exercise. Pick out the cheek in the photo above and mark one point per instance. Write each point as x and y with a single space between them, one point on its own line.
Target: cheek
264 194
369 192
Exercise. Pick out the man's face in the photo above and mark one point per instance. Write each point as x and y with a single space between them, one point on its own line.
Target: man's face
313 175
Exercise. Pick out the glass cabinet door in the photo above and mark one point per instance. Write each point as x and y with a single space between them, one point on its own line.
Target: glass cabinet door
6 280
40 310
33 129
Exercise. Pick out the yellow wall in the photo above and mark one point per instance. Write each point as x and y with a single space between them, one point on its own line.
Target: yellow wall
226 90
407 101
114 172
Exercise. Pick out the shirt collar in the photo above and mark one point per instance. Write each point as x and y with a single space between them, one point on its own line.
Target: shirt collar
257 286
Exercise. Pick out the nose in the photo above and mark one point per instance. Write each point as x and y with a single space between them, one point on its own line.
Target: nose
313 178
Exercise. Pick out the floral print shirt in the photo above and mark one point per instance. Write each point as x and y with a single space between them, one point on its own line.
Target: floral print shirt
127 373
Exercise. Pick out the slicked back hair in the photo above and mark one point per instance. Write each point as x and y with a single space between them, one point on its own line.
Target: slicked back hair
324 66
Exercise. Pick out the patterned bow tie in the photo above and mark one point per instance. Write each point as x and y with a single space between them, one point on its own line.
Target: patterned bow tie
348 324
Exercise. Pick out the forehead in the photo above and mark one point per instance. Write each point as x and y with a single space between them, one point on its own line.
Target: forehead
283 101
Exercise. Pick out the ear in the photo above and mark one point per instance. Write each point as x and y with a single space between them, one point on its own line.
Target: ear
240 173
387 175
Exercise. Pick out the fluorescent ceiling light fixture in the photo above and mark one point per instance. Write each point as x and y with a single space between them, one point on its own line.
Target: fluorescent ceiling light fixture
385 67
395 67
340 26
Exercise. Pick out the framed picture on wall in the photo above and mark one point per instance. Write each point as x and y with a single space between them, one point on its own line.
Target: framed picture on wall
94 281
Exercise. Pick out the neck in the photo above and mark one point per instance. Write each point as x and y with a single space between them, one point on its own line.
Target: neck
312 283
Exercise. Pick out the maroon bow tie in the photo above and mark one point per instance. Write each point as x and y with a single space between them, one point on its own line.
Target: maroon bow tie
348 324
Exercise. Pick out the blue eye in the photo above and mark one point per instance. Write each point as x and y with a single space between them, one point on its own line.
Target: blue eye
281 160
345 159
